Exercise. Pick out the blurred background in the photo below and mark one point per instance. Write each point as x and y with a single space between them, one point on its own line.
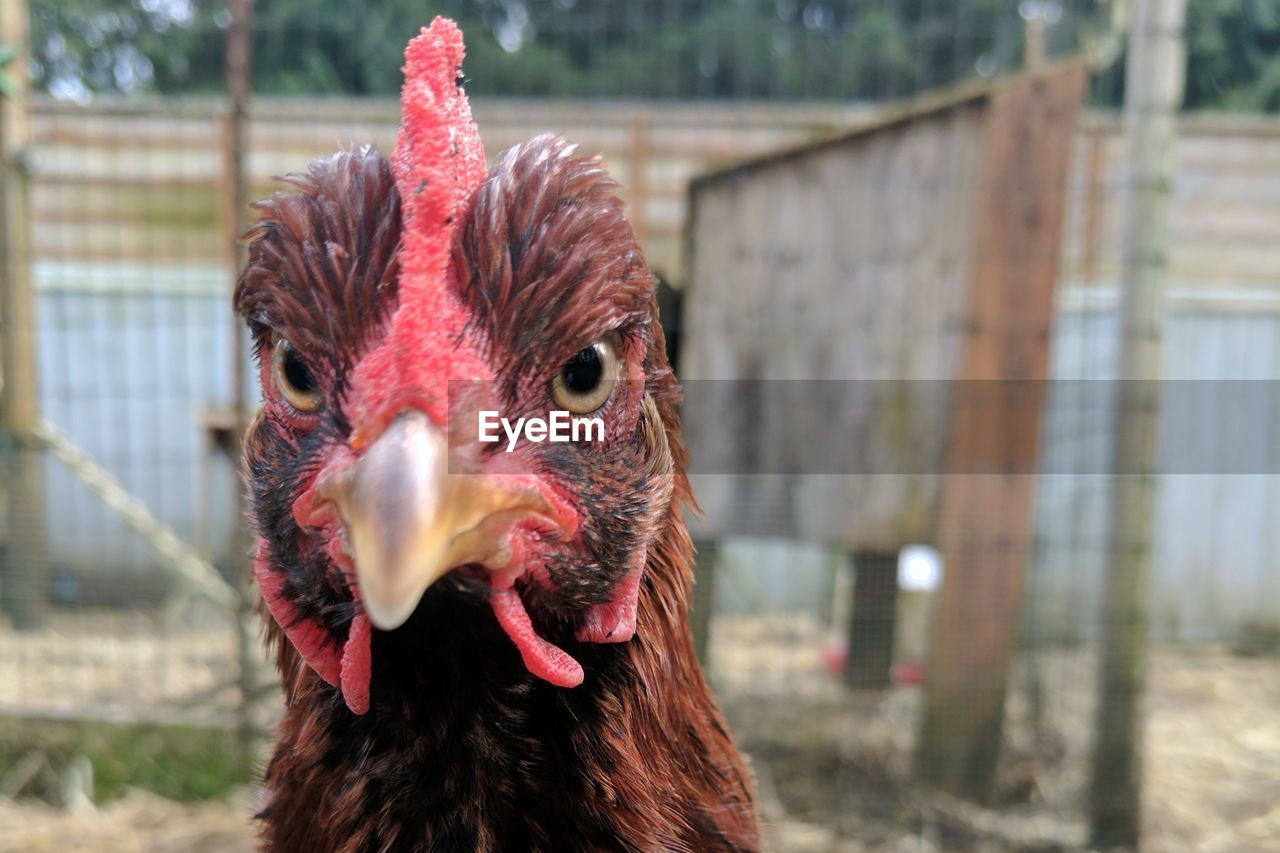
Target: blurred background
989 290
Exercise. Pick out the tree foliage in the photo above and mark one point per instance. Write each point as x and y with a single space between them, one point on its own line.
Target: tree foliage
836 49
8 53
783 49
1234 50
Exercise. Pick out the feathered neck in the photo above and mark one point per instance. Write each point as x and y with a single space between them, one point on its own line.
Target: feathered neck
637 757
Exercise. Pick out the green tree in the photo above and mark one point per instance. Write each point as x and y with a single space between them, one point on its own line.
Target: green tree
82 47
1233 54
8 53
645 48
785 49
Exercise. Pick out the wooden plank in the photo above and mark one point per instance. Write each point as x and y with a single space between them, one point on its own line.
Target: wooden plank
23 561
845 267
637 184
297 117
17 311
149 244
1226 209
1092 202
620 112
99 148
928 105
985 519
1212 143
233 142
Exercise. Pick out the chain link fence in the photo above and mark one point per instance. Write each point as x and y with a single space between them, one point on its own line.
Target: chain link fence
120 555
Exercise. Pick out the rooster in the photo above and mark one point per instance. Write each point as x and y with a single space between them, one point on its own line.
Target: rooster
480 649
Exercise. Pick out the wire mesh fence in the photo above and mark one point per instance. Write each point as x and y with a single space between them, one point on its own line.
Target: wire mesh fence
131 615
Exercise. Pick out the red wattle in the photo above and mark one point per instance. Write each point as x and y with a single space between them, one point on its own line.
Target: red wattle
548 662
615 621
313 642
356 665
347 667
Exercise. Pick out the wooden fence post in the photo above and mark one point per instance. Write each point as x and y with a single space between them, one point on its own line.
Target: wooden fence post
1155 73
25 582
984 527
239 77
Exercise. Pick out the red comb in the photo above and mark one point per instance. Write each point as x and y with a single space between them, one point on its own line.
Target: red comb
438 165
439 159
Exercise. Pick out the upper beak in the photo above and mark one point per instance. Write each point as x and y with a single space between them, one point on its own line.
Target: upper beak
409 520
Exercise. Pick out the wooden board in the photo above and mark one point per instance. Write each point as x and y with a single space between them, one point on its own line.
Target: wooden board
847 264
164 153
1225 209
911 266
984 528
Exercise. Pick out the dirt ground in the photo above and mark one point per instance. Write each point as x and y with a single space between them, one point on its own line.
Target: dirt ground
177 666
140 822
834 769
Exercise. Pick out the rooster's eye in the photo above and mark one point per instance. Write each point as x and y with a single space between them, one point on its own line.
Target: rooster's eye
296 381
586 380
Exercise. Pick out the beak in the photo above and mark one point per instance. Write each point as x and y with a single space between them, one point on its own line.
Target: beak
409 521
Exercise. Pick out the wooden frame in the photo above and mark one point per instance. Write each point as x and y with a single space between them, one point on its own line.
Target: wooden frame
940 287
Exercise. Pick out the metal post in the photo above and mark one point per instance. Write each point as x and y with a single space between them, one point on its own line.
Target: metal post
25 582
1155 72
704 585
234 136
869 663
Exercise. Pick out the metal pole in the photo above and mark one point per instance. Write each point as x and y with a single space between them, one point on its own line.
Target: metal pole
872 624
703 605
234 137
25 582
1155 71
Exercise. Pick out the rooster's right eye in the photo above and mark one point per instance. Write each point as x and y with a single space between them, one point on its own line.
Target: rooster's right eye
294 379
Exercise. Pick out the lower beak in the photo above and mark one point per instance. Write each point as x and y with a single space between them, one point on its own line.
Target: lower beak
409 520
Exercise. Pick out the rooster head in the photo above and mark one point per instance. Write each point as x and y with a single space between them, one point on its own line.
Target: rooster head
393 301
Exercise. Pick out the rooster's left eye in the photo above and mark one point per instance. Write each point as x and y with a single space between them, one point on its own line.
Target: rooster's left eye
586 380
294 379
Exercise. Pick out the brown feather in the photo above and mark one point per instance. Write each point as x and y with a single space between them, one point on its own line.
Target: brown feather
462 747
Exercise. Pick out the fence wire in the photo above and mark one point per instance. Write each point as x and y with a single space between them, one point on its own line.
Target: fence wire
134 352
